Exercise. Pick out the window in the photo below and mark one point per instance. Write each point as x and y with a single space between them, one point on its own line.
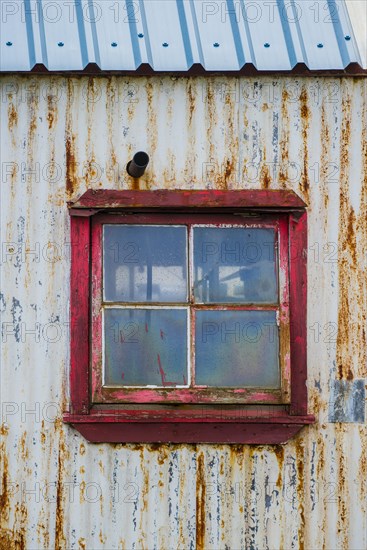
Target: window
188 316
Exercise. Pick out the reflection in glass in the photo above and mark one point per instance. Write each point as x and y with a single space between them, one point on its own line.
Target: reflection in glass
237 348
145 347
144 263
235 265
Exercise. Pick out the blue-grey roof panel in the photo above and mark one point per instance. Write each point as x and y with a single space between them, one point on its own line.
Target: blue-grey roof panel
175 35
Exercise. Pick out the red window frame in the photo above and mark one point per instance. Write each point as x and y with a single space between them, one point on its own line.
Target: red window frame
121 415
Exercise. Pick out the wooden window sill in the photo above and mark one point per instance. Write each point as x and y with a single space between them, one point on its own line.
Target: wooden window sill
147 426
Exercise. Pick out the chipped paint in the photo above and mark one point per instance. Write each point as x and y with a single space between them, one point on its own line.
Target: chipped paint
308 135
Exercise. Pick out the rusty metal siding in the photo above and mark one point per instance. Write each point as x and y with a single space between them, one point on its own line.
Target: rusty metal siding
224 35
61 136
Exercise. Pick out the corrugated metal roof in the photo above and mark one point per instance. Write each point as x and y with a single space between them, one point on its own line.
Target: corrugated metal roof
179 35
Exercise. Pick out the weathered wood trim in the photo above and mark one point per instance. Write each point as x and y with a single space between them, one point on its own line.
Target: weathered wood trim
113 199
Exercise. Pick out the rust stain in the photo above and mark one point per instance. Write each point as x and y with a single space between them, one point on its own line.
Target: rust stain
170 106
32 118
43 531
146 487
279 453
52 112
210 118
4 496
82 487
90 172
71 178
32 124
325 148
12 117
111 104
10 539
362 263
231 135
222 176
152 127
347 260
265 177
200 502
305 119
163 455
63 455
93 95
284 140
70 147
135 184
236 456
7 541
191 100
342 489
362 475
82 543
42 434
300 458
4 429
23 447
131 105
228 170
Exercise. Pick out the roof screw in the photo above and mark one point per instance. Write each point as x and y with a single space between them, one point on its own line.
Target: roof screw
114 44
266 45
347 37
141 35
320 45
60 44
9 43
165 45
216 45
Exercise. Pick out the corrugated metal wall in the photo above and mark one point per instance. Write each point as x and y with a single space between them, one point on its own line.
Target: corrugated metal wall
61 136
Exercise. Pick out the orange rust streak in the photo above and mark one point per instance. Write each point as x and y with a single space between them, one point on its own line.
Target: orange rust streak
200 502
348 276
70 166
12 117
305 116
284 141
301 492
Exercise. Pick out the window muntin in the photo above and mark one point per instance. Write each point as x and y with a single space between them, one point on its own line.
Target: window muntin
165 377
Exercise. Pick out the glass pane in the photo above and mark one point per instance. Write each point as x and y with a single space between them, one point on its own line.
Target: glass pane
145 347
235 265
237 348
145 263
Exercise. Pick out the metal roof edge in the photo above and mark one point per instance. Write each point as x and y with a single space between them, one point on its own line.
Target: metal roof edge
92 69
